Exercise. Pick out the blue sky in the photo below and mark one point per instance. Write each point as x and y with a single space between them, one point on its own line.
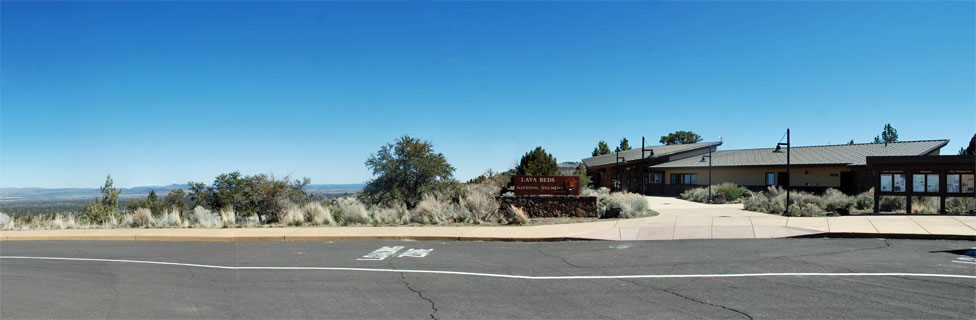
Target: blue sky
167 92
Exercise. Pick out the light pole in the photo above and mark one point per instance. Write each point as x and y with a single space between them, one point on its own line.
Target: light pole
617 170
778 150
709 172
644 167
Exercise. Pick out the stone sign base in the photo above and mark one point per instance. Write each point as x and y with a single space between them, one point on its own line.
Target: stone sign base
552 206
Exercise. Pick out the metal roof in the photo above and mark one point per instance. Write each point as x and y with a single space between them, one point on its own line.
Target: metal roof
848 155
635 154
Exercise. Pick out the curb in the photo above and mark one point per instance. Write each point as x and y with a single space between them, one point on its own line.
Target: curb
278 238
907 236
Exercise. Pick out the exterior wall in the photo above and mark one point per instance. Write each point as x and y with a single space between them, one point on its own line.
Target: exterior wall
801 176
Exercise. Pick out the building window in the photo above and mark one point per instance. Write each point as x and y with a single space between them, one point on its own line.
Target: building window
684 178
932 183
892 182
918 183
899 181
770 178
654 178
967 183
952 183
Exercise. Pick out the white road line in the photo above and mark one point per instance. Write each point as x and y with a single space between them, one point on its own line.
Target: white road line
510 276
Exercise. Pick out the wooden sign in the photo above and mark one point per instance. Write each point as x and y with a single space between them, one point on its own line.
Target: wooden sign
546 185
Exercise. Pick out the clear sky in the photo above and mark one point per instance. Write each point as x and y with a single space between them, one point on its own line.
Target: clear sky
167 92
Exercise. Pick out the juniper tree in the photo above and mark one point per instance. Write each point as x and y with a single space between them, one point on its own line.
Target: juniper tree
406 170
537 162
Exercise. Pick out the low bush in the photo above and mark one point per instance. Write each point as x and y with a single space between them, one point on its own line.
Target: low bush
519 215
925 205
478 204
891 204
170 218
5 222
353 211
432 210
726 192
142 217
601 195
631 204
837 202
202 217
397 214
865 200
293 216
956 205
316 213
805 210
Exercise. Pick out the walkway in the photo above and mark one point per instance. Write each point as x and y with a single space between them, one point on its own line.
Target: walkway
680 219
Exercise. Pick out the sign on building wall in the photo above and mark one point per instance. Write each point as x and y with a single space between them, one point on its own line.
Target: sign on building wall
546 185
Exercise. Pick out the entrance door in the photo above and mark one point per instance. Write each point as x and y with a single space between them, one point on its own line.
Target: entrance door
782 178
848 183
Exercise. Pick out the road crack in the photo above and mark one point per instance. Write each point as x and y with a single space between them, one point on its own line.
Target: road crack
433 306
668 290
539 249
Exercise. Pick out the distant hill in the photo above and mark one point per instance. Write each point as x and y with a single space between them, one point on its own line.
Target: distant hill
66 194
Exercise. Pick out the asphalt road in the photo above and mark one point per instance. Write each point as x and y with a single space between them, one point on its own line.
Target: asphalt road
240 280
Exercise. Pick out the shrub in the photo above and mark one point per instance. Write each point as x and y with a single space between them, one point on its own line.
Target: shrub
865 200
520 217
227 216
630 204
837 202
353 211
205 218
294 216
954 205
925 205
721 193
601 195
695 194
396 214
170 218
478 204
805 210
432 210
141 218
891 204
772 201
315 213
263 195
5 222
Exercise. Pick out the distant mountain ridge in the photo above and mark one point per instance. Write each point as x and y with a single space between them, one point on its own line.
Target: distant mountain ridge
14 194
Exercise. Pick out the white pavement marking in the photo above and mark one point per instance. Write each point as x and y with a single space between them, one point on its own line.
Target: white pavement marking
381 253
415 253
512 276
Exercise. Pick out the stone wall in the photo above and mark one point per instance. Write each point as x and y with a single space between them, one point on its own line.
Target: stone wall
552 206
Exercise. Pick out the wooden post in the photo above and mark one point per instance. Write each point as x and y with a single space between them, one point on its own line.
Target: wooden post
910 180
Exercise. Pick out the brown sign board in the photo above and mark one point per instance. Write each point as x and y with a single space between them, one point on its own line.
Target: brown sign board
546 185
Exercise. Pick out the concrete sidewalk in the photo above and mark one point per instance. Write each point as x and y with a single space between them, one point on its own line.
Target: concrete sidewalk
678 219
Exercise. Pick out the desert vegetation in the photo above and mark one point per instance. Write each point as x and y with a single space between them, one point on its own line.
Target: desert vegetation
722 193
413 185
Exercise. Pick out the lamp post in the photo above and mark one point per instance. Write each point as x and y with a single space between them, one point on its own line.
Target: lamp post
617 170
709 172
778 150
644 167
